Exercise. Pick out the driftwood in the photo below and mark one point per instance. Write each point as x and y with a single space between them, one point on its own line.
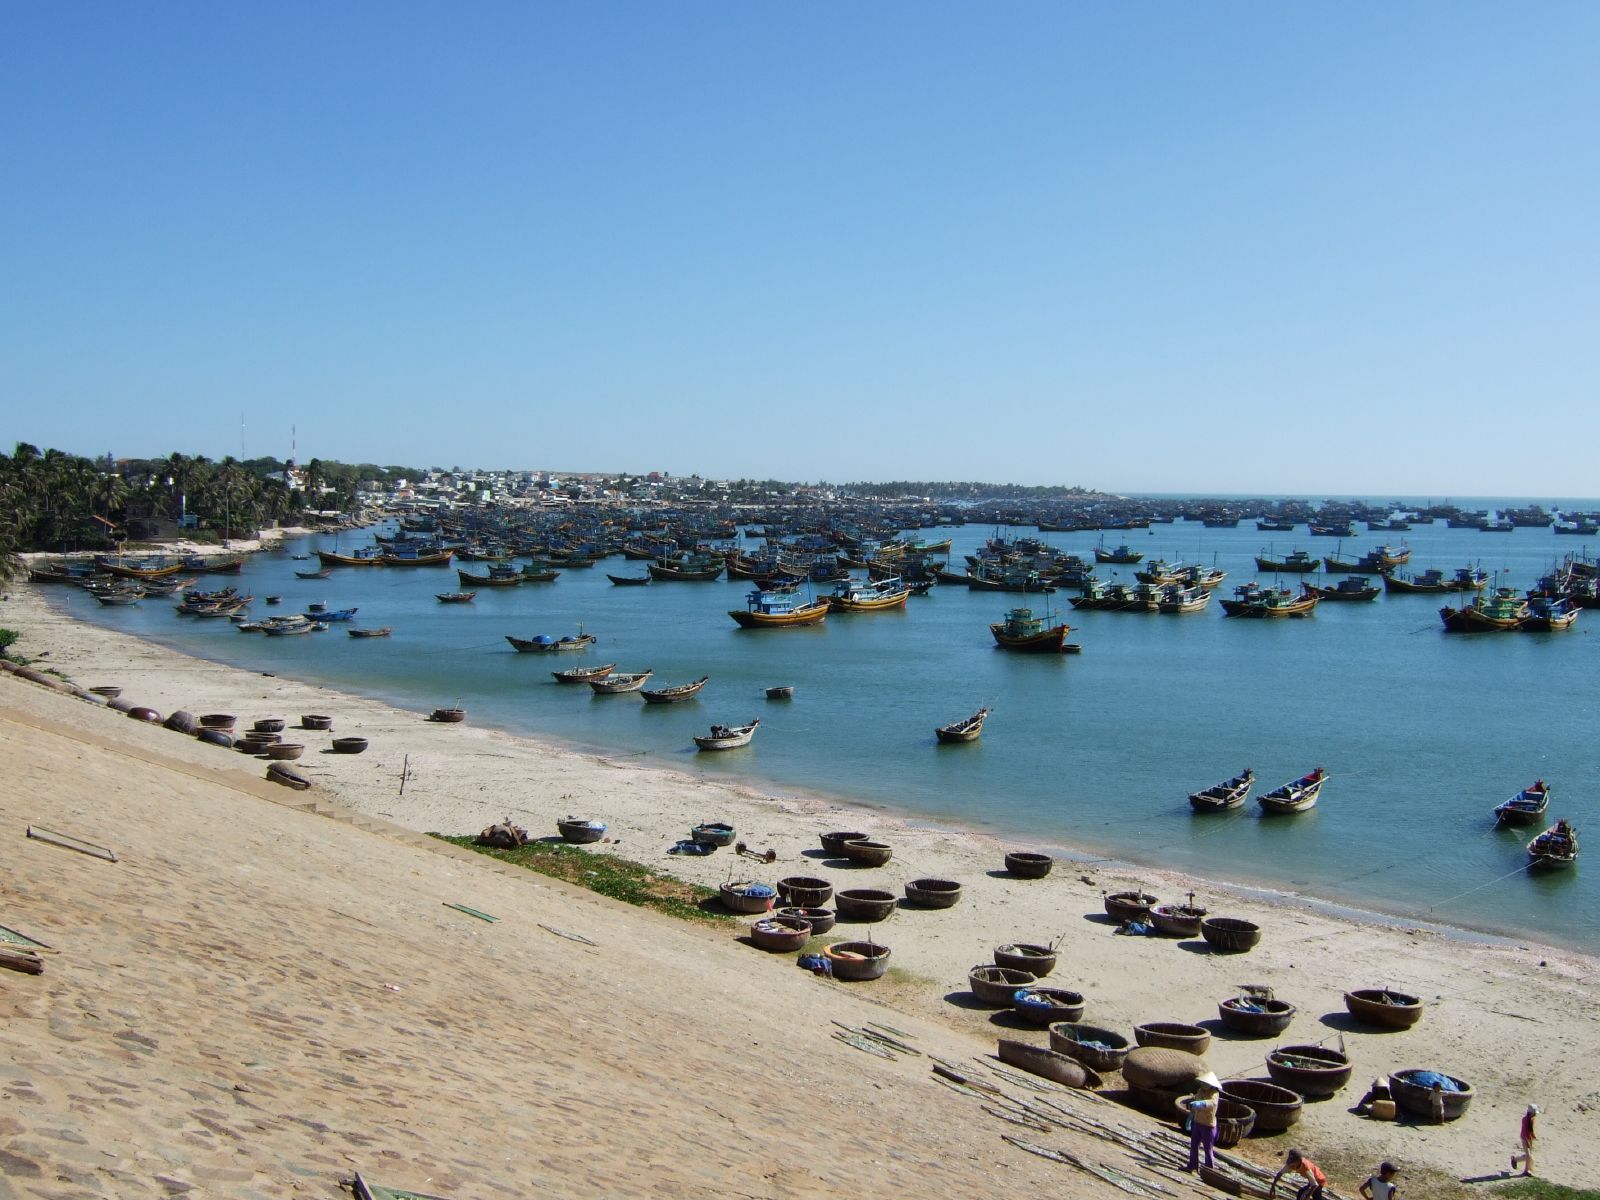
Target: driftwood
28 964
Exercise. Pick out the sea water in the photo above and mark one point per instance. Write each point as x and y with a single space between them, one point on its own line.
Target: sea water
1422 733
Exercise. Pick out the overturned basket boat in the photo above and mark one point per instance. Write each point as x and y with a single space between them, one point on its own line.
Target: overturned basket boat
833 843
580 830
933 893
780 934
868 852
865 904
1256 1016
1412 1090
1276 1107
1229 934
1177 920
1025 864
855 961
1102 1049
1129 906
1047 1006
805 890
1309 1070
713 833
820 919
1037 960
1048 1064
1383 1007
996 986
1173 1035
746 896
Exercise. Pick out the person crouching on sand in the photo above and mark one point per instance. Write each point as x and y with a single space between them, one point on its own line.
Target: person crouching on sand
1315 1180
1528 1137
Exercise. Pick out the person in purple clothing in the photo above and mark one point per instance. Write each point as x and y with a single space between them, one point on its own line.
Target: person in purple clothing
1202 1110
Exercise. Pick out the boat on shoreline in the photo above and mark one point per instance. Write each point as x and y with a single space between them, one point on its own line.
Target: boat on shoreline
1220 797
1295 796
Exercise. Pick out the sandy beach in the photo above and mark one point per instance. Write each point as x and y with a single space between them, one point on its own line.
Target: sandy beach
369 1023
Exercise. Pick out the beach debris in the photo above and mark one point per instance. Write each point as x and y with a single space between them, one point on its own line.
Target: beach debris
471 912
571 937
870 1031
504 835
817 964
21 960
689 846
68 842
761 855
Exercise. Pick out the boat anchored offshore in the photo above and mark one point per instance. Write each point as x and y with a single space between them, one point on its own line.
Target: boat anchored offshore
1230 793
1527 807
965 730
727 737
1555 849
1294 796
1023 631
880 595
779 610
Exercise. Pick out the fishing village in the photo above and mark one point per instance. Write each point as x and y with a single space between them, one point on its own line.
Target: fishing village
1055 1004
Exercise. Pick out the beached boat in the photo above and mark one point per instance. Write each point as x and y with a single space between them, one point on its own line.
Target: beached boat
853 596
727 737
965 730
1252 600
1501 612
619 682
1230 793
672 695
455 597
1527 807
544 643
1352 587
1555 849
381 631
584 674
779 610
1023 631
148 568
1295 796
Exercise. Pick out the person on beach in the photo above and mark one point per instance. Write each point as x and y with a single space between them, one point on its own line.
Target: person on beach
1527 1138
1380 1185
1436 1103
1298 1163
1202 1110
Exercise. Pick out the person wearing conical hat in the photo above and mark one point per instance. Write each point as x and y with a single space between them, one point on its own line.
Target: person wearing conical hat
1202 1111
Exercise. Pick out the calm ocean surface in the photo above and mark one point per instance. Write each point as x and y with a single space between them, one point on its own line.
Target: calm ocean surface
1422 733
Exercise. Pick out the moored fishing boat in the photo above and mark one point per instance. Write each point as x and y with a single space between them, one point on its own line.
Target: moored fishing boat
1501 612
672 695
498 575
1352 587
629 580
964 730
1023 631
1549 615
1295 796
1124 554
1555 849
779 610
325 573
1176 598
418 558
853 596
1252 600
455 597
727 737
544 643
1230 793
584 674
370 557
1525 808
619 682
1433 580
1296 562
381 632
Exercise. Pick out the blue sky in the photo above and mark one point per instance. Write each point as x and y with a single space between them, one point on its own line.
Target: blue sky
1205 247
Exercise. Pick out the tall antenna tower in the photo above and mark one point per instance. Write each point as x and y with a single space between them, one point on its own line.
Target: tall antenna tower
241 437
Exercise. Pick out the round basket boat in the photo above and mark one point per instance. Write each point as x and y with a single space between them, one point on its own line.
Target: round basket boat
746 896
1276 1107
867 852
285 774
1309 1070
865 904
805 891
1384 1008
1089 1044
315 721
1161 1068
1230 935
218 720
349 745
1158 1102
1047 1006
580 831
1025 864
1177 920
1173 1035
180 722
285 751
107 692
854 961
118 704
833 843
1129 906
780 934
1037 960
216 737
996 986
1235 1120
820 919
933 893
713 833
448 716
140 713
260 738
269 725
1412 1090
1264 1018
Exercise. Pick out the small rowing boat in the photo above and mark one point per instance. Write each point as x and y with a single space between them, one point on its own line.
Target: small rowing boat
672 695
615 684
1527 807
965 730
1555 849
1295 796
1230 793
727 737
584 674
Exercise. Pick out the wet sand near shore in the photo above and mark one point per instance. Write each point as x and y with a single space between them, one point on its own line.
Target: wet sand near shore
1510 1018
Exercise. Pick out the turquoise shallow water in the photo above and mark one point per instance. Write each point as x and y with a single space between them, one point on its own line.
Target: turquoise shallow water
1422 733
